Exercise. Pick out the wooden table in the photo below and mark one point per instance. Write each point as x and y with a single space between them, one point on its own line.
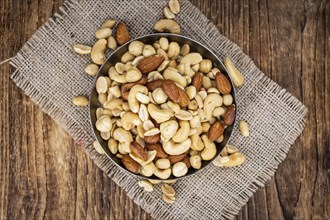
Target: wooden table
44 174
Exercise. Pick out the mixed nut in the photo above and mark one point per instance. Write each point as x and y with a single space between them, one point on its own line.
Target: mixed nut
163 106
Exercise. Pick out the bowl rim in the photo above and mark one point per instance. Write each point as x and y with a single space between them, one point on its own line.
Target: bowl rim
98 75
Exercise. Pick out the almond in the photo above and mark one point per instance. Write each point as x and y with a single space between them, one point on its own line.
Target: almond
176 158
222 83
197 81
150 63
184 99
154 84
152 139
215 131
126 87
138 150
171 90
122 34
186 160
130 164
157 147
229 116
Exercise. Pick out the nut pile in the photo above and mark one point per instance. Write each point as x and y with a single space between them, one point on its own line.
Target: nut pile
164 107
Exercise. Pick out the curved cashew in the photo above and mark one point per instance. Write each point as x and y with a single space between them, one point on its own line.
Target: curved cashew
210 149
196 142
163 174
132 101
115 76
174 75
143 113
184 115
169 128
151 157
179 169
183 133
196 161
195 122
169 25
174 106
133 75
104 123
148 169
124 138
172 148
159 115
113 145
163 163
189 60
159 96
129 120
210 103
97 53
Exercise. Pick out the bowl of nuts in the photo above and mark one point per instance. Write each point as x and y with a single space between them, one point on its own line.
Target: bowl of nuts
162 106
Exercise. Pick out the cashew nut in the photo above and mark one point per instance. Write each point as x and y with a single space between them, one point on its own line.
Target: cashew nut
137 60
183 133
163 42
163 163
174 106
169 25
98 50
185 49
210 103
148 169
132 101
130 120
168 13
218 111
169 128
189 60
173 50
210 149
196 142
124 138
195 122
115 76
163 65
163 53
207 83
104 123
151 132
184 115
151 157
159 115
143 113
163 174
172 148
82 49
196 162
133 75
136 48
112 43
171 73
113 145
179 169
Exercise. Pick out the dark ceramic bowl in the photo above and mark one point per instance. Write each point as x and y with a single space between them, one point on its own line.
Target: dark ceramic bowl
150 39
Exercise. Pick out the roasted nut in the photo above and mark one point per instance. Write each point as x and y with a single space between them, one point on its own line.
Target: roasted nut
244 128
169 199
235 75
168 190
196 162
227 100
205 66
159 96
138 151
235 159
112 43
82 49
173 50
127 57
163 174
163 42
184 99
210 149
215 131
148 51
185 49
179 169
172 74
150 63
133 75
230 114
97 53
163 163
172 148
197 81
157 147
152 139
92 69
222 83
113 146
136 48
103 33
168 13
176 158
130 164
103 124
207 82
210 103
124 88
146 185
80 101
171 90
169 128
108 23
148 170
167 25
183 133
122 34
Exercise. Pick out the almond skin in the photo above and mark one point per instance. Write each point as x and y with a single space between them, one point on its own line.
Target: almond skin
150 63
184 98
222 83
176 158
130 164
138 150
154 84
126 87
157 147
229 116
122 34
171 90
152 139
215 131
186 160
197 81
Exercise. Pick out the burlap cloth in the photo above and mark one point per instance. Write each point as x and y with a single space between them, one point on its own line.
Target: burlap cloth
51 74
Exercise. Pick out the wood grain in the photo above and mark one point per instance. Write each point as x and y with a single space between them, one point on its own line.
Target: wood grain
44 174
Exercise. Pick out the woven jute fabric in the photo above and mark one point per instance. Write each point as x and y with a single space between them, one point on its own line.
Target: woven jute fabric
51 74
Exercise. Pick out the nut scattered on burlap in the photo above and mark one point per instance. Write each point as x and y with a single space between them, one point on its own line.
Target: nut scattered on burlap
51 73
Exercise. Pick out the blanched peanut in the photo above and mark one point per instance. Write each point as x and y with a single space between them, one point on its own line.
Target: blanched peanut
244 128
